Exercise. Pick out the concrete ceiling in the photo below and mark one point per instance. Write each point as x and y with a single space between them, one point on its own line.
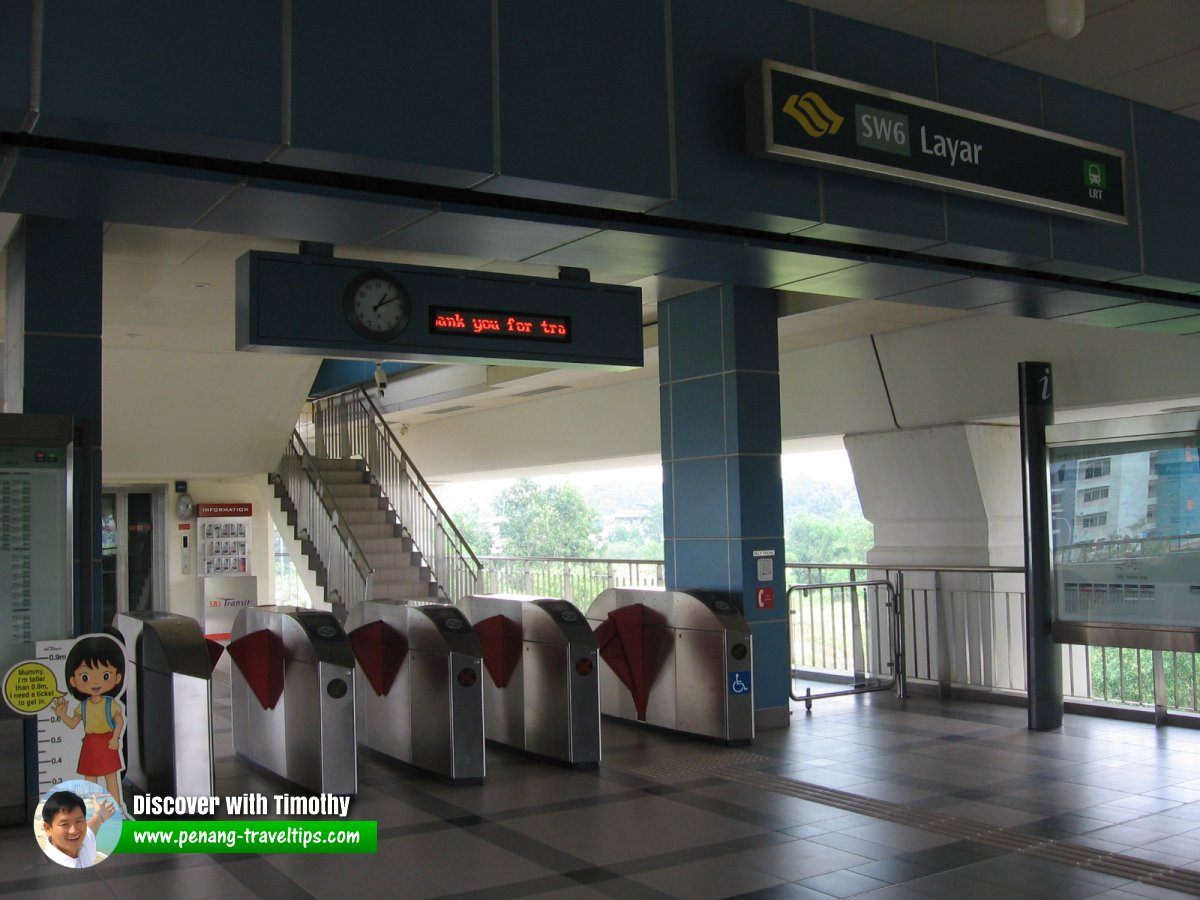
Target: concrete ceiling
172 289
1145 50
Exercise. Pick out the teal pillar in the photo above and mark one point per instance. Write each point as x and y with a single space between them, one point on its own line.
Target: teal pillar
722 484
52 365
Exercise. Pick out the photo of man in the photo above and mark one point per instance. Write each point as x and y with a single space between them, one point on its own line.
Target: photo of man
68 833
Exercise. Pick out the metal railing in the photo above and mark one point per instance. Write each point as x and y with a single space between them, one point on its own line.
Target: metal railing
965 628
849 632
349 425
318 519
577 581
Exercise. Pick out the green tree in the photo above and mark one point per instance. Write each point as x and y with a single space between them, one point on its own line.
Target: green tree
641 541
469 521
545 521
817 539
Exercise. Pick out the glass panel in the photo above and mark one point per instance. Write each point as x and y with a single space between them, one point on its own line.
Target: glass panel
141 552
108 548
1126 533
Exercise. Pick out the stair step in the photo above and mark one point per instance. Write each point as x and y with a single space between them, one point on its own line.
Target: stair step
357 504
405 575
365 533
387 544
413 591
339 465
393 559
352 489
337 478
361 518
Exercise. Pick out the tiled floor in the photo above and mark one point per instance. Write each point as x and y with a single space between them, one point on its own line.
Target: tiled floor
865 797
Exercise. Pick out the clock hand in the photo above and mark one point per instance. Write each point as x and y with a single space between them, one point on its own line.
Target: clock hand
386 300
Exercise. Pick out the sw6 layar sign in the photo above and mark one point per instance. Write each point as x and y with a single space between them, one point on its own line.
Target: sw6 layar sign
805 116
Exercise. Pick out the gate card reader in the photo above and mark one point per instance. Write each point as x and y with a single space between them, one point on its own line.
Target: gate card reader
300 659
168 737
541 694
423 701
677 660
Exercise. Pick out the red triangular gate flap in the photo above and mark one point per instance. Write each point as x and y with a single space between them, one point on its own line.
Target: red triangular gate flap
259 657
502 641
214 652
629 642
380 650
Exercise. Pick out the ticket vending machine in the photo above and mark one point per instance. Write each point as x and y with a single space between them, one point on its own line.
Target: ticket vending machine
420 697
292 686
677 660
168 734
542 694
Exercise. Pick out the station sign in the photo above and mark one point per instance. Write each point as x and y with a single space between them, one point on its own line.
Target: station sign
321 306
804 116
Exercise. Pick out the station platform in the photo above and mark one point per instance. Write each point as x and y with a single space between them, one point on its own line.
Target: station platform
867 796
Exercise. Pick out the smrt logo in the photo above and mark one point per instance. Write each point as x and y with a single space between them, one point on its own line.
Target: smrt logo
813 114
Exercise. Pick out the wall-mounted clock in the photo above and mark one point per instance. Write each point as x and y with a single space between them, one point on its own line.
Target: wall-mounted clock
376 305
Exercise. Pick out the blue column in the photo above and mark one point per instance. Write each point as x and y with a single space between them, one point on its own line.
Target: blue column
722 488
52 365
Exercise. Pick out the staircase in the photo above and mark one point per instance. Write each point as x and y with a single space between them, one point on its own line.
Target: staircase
399 571
368 523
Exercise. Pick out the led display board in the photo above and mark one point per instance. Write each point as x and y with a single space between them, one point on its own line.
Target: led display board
317 305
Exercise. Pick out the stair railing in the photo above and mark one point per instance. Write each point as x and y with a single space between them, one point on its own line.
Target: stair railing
350 425
347 572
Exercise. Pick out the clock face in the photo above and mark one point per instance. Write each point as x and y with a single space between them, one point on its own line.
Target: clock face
376 305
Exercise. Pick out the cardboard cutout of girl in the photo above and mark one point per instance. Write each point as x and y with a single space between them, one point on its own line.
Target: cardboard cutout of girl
95 671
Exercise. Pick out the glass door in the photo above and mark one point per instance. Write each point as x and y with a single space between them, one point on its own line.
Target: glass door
134 550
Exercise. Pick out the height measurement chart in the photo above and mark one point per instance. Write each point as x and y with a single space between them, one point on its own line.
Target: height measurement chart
54 764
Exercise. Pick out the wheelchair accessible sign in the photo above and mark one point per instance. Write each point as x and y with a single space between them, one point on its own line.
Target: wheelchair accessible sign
739 683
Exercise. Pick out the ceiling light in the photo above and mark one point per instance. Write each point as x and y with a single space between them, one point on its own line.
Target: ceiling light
1064 18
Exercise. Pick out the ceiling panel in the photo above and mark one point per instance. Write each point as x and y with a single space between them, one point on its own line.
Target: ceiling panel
1140 49
72 187
1123 38
1129 314
873 280
634 252
493 237
1057 304
304 215
968 293
762 267
1183 325
151 246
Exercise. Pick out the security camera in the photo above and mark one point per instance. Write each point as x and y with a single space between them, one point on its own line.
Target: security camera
381 380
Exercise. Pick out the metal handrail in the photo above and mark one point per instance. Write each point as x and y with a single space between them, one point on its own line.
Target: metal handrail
578 581
350 425
895 636
319 519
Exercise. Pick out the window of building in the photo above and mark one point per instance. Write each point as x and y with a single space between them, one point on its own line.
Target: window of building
1091 495
1097 468
1094 521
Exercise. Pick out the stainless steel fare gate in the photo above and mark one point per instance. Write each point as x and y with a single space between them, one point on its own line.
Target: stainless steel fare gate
420 697
541 691
292 687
